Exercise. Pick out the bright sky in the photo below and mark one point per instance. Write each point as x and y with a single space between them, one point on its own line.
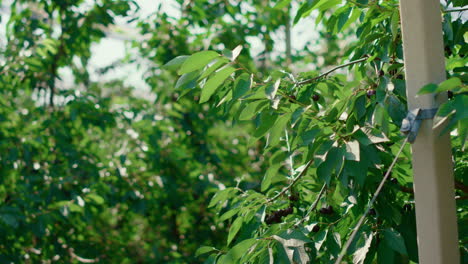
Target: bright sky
112 49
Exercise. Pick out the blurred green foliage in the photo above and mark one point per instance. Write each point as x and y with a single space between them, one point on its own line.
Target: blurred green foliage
92 173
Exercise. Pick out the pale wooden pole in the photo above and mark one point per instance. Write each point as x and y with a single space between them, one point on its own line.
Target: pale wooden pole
432 158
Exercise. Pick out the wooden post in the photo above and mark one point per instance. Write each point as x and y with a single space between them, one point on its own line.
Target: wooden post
432 158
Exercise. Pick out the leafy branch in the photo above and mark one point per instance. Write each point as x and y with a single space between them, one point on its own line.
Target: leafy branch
307 81
455 10
313 206
294 181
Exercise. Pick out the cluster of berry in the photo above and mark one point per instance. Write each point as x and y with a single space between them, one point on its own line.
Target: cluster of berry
275 216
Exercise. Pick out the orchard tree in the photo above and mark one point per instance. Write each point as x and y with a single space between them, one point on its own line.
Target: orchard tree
330 137
91 173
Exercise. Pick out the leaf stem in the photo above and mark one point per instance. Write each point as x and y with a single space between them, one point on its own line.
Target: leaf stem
332 70
313 206
294 181
291 163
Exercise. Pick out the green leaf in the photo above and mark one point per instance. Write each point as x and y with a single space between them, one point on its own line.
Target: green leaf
269 176
187 81
229 214
319 238
252 109
308 136
428 88
380 118
394 23
354 16
333 163
216 64
242 85
446 85
394 240
449 84
271 89
239 250
278 129
256 94
232 55
222 196
293 242
175 63
456 110
384 255
75 208
282 4
360 254
9 220
352 151
235 227
327 4
95 198
343 18
374 135
214 82
197 61
305 9
204 250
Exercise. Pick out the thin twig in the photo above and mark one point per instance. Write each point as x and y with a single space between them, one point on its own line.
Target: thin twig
291 164
332 70
376 194
285 189
455 10
313 206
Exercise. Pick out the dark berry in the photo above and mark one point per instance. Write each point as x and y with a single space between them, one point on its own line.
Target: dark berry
381 73
315 97
288 211
448 51
293 197
323 210
400 77
316 228
407 207
370 93
372 212
273 218
450 94
292 98
326 210
394 180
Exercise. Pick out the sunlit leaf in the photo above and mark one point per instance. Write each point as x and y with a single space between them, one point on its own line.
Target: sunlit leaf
197 61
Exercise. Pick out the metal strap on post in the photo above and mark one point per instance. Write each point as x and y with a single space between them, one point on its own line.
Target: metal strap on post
412 122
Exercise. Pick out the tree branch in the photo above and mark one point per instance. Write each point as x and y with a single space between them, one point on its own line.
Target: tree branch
330 71
455 10
313 206
285 189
